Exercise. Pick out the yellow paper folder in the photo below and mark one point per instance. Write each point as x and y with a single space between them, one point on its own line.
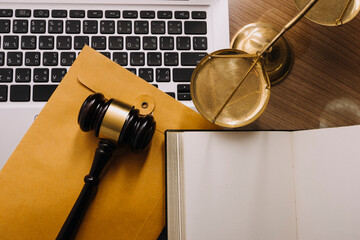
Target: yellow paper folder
42 179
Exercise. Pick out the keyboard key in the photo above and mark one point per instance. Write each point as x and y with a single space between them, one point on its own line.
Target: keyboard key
56 26
14 58
106 54
182 14
41 13
63 42
192 59
195 27
132 70
200 43
59 13
73 26
182 74
163 74
130 14
2 58
38 26
95 13
28 42
23 13
147 74
20 26
198 14
50 58
67 58
132 43
4 26
171 59
154 59
6 12
107 27
158 27
184 96
183 43
183 88
171 94
57 74
11 42
80 41
90 26
46 42
98 42
112 14
174 27
23 75
120 58
137 59
42 93
147 14
166 43
149 43
164 14
3 93
41 75
116 43
32 58
6 75
124 27
20 93
77 13
141 27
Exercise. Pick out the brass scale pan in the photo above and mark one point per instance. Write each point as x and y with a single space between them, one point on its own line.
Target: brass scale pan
231 87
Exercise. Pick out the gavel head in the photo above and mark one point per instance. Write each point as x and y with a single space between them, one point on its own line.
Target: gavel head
116 121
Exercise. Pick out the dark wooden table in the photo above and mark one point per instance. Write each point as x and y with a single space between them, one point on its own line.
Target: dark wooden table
323 88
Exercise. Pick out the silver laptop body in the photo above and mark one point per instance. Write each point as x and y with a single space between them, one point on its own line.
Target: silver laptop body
33 42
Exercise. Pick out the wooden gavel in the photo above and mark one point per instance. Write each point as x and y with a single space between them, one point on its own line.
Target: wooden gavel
116 124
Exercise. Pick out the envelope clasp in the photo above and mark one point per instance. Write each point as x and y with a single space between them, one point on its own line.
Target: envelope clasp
145 104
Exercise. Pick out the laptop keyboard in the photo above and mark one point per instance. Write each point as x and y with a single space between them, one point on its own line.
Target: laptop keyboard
37 47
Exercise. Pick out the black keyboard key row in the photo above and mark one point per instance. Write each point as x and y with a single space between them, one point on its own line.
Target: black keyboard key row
42 93
100 42
106 27
43 74
136 58
21 93
61 13
39 75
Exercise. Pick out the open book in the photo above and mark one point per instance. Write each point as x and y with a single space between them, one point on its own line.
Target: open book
272 185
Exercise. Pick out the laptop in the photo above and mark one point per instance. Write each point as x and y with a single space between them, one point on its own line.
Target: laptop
159 40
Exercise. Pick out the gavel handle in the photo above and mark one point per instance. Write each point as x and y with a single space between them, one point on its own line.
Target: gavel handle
102 155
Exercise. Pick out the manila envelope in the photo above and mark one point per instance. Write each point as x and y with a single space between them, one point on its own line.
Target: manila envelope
43 177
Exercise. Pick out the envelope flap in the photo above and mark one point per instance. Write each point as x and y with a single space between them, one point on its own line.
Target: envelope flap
114 81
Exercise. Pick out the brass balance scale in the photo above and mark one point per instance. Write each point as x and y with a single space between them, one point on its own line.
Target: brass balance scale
231 87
